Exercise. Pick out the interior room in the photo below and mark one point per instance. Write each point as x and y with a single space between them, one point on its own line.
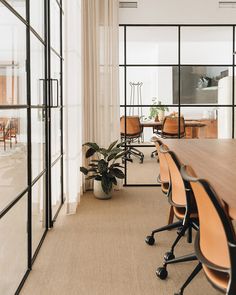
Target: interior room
117 147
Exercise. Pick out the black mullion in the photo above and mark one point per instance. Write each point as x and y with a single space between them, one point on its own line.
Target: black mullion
47 160
179 80
4 2
233 83
182 105
125 96
176 25
49 117
29 147
61 104
7 107
37 36
12 203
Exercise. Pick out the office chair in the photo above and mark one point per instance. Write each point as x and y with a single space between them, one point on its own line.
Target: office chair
215 243
170 129
179 196
133 132
164 177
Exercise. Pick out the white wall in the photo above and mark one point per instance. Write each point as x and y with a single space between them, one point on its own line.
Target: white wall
72 96
177 11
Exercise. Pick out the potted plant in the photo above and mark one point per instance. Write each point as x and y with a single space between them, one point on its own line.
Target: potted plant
105 167
157 111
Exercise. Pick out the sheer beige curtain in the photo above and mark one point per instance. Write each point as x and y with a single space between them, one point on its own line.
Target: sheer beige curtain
101 71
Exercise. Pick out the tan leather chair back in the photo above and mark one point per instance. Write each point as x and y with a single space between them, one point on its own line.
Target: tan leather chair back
178 195
164 170
213 240
170 127
133 126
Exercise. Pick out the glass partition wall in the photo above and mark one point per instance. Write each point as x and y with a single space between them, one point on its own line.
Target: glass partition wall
189 70
31 141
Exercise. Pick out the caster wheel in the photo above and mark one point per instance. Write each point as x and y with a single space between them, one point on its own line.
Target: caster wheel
141 160
169 256
162 273
152 155
150 240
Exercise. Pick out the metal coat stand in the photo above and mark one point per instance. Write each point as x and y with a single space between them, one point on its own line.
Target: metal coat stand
136 99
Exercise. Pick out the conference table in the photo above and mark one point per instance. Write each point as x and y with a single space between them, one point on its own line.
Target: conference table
213 160
193 124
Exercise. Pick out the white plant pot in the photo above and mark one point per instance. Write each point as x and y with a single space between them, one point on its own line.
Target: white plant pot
98 191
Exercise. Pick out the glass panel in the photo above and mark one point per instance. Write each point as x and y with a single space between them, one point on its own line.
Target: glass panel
38 141
160 83
137 172
147 122
55 25
13 154
56 187
206 85
122 88
37 72
55 134
37 16
56 76
121 46
152 45
19 6
206 45
38 212
12 59
217 122
13 247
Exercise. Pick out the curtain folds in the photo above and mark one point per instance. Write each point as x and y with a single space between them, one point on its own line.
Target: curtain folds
100 71
101 113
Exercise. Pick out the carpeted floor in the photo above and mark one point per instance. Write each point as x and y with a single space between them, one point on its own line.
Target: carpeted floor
101 250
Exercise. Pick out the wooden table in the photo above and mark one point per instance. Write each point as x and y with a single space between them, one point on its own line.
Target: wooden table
213 160
194 125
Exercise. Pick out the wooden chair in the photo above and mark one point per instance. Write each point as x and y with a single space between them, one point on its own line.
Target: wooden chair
183 207
215 243
132 132
164 176
170 129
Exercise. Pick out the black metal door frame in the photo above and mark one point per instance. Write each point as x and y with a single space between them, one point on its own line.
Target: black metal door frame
46 109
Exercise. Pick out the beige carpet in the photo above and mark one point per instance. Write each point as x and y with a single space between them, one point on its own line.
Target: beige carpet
101 250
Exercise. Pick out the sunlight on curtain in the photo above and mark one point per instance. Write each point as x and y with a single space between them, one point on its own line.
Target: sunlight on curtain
101 71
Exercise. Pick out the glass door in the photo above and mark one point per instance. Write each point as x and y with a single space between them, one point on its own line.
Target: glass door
55 111
31 141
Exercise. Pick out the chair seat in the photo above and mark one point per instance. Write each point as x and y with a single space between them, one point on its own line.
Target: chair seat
180 213
218 278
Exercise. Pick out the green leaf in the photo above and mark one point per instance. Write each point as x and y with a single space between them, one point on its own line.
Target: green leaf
117 173
84 170
92 145
91 177
102 166
90 152
120 144
112 156
103 152
120 155
116 151
92 170
112 145
106 184
114 181
92 165
98 177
